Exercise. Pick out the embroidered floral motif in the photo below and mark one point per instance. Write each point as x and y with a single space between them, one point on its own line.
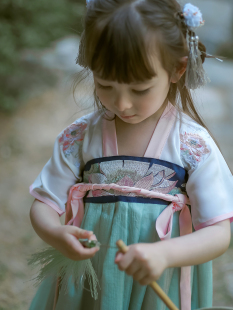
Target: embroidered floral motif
71 140
193 148
71 135
130 173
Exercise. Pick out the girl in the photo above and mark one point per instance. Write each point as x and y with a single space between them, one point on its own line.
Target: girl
138 161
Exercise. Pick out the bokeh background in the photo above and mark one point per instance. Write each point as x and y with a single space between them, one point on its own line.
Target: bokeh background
38 45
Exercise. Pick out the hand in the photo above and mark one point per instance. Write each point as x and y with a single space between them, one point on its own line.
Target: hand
66 241
145 262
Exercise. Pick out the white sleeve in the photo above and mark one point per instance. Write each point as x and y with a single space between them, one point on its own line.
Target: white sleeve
210 183
64 168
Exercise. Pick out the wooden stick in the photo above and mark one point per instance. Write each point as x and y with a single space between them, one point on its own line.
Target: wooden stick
124 249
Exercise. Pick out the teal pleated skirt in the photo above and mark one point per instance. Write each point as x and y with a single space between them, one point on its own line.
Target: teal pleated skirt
133 222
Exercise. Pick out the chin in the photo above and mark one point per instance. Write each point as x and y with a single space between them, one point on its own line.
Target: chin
132 121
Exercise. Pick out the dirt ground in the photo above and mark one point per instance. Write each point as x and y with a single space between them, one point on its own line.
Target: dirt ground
26 141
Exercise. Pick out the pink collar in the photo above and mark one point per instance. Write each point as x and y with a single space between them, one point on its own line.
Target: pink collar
157 141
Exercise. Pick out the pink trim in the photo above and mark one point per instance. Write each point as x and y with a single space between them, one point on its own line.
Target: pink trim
75 207
109 137
45 200
165 219
157 141
161 132
185 222
84 187
215 220
78 191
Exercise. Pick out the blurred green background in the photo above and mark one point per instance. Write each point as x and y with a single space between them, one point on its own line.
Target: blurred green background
27 24
39 42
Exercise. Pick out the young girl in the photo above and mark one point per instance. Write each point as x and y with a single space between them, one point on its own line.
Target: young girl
138 162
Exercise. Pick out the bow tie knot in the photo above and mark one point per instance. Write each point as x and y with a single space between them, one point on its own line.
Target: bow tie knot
177 206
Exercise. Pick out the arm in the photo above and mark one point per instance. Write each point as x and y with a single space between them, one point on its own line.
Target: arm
47 225
198 247
146 262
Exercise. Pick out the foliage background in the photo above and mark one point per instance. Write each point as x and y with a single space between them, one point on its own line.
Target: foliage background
29 24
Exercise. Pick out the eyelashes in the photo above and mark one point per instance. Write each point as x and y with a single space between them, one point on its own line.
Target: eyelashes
104 87
137 92
141 92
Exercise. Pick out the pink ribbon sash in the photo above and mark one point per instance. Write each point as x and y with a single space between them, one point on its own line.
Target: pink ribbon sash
75 213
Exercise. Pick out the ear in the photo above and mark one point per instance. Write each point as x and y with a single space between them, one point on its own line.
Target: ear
179 70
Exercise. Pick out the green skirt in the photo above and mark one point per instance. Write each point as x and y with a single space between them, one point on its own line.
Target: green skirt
133 222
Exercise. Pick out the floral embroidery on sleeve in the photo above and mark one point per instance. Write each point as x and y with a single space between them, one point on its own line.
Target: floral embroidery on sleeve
193 148
72 137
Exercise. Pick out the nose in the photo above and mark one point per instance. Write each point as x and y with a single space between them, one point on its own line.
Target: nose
122 103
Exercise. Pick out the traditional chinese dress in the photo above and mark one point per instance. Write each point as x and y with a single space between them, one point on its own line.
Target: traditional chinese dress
125 197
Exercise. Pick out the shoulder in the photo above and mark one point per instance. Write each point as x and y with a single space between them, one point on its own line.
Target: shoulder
195 142
71 138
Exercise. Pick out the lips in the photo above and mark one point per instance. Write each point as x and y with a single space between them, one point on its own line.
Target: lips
127 117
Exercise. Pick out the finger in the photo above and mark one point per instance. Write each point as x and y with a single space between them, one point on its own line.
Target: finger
118 257
125 260
79 251
85 253
140 275
146 280
92 237
81 233
134 267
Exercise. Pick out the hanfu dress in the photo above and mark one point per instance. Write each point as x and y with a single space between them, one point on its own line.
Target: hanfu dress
181 184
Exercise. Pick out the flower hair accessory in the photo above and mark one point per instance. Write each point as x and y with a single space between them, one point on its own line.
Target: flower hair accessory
192 16
195 74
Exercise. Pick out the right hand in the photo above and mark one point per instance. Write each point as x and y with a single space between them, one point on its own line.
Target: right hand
66 241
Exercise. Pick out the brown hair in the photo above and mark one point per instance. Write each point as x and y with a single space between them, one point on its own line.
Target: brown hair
120 37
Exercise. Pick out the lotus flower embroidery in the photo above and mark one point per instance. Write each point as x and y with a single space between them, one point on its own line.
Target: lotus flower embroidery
71 135
193 148
130 173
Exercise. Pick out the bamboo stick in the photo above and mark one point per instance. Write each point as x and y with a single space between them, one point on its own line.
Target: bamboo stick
123 248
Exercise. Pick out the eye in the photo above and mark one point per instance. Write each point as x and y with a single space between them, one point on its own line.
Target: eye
141 92
104 87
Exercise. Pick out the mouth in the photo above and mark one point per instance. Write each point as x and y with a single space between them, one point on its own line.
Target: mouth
127 117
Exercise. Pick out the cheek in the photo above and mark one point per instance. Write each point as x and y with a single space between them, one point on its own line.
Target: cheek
103 97
152 102
146 105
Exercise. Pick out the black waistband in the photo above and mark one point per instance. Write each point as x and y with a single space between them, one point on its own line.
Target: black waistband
106 199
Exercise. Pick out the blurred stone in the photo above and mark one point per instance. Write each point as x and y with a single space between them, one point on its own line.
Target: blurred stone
5 151
210 103
220 73
61 55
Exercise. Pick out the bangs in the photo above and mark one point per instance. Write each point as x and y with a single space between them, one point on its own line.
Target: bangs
117 51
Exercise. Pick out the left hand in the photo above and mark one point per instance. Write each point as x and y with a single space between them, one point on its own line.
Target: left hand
145 262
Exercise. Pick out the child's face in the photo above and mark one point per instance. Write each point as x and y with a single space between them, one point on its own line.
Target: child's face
133 103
